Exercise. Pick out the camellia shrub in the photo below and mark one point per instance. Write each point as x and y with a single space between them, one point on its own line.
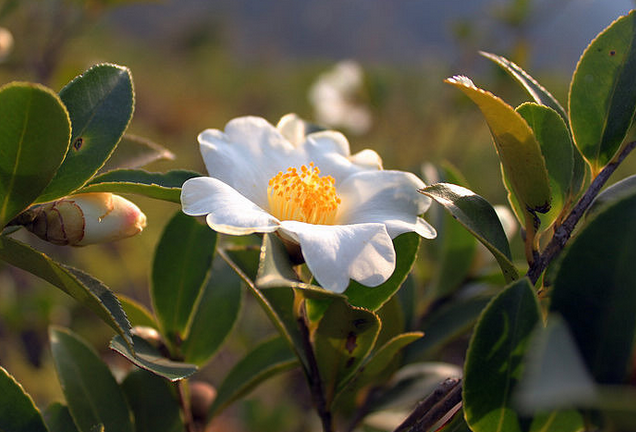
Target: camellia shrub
326 242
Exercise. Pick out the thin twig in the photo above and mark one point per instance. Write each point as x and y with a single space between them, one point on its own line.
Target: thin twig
564 231
184 404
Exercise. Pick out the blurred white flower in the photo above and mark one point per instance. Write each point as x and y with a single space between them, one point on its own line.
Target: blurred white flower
89 218
6 43
341 209
334 98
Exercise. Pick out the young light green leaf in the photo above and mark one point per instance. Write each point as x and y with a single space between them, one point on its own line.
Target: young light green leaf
266 360
87 290
603 92
214 315
597 270
135 152
100 104
18 413
58 418
34 135
163 186
344 337
153 402
406 247
494 360
538 93
182 261
479 217
557 149
149 358
558 421
92 394
518 149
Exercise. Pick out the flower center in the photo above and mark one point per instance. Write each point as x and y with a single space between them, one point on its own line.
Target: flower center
303 196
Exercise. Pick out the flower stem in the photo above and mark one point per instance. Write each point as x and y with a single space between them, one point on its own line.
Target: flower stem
563 232
188 422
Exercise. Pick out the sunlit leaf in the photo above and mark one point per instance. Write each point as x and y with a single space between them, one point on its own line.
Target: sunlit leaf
595 291
18 413
518 149
149 358
603 92
135 152
538 93
494 360
264 361
163 186
100 104
87 290
34 134
181 264
478 217
92 394
558 421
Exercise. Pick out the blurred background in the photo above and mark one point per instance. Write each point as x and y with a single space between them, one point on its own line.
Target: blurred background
197 64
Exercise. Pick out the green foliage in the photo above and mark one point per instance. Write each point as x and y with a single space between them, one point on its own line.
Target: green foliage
34 136
18 413
58 418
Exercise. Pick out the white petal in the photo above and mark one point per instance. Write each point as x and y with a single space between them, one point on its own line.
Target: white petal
293 128
367 159
388 197
337 253
227 210
247 155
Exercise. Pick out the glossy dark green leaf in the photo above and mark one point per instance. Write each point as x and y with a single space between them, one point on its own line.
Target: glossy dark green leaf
595 291
603 92
557 149
58 418
264 361
538 93
494 360
149 358
163 186
275 268
18 413
342 341
92 394
34 134
215 314
478 217
137 314
153 402
518 149
87 290
612 194
372 298
135 152
100 104
182 262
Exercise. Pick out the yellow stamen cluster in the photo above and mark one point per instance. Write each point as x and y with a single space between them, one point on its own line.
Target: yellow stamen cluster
303 196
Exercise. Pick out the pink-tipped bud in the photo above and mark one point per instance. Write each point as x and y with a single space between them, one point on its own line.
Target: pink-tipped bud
89 218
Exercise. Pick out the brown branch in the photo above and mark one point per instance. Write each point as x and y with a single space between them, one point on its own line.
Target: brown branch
564 231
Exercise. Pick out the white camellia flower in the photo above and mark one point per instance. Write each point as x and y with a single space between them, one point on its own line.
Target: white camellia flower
342 209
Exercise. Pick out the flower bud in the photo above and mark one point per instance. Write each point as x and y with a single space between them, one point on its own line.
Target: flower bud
89 218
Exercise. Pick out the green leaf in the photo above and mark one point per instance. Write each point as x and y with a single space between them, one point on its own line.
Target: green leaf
216 312
18 413
34 134
58 418
611 195
137 314
558 421
342 341
182 261
595 291
406 246
557 149
163 186
538 93
153 402
478 217
92 394
603 92
149 358
87 290
100 104
494 360
264 361
517 147
134 152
